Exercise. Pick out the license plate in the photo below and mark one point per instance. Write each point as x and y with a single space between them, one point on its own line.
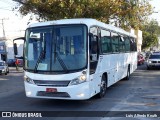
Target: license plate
51 89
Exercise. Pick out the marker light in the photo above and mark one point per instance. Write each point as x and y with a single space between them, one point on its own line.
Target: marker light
81 95
28 93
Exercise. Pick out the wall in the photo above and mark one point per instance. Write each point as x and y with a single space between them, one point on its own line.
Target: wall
138 33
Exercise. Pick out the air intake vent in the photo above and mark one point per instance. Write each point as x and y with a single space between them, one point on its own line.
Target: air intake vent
51 83
53 94
154 61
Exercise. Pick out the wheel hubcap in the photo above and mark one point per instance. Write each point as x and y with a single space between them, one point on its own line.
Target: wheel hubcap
103 87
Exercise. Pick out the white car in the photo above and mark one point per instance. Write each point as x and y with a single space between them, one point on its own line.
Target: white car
3 68
153 61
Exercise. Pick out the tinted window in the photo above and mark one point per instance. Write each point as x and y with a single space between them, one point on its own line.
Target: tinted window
121 44
106 41
133 44
127 43
115 39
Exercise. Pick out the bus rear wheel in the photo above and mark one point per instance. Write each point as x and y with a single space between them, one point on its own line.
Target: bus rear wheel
103 87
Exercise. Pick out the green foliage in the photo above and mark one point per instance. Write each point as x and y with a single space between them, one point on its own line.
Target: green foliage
124 13
149 40
151 31
133 13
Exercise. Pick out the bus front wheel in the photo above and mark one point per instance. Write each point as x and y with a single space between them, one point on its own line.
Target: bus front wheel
128 74
103 87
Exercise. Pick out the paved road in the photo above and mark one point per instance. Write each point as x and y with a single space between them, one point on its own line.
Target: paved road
140 93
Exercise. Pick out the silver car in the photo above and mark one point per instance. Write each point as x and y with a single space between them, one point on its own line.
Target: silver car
4 68
153 61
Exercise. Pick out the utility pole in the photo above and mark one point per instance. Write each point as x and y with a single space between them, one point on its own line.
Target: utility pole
4 36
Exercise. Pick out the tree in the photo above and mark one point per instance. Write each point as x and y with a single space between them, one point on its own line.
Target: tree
60 9
123 13
151 31
149 40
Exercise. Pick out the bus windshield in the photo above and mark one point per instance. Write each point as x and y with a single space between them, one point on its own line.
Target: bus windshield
56 48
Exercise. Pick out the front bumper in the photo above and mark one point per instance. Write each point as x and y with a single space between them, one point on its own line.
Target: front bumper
153 64
2 71
73 92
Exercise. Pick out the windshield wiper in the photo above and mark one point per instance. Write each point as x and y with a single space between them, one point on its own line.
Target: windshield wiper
56 55
41 56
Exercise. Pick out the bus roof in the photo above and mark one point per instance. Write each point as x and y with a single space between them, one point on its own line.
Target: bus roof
87 21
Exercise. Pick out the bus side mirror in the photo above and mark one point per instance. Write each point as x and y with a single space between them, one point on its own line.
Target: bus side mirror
15 45
15 49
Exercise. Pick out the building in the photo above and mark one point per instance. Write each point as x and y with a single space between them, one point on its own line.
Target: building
3 51
138 33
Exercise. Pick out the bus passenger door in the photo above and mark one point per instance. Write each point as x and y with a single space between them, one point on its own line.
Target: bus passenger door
93 53
94 56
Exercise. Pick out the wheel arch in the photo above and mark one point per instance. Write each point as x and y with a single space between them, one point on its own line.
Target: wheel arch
106 77
129 65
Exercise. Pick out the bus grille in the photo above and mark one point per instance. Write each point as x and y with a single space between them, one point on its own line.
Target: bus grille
53 94
51 83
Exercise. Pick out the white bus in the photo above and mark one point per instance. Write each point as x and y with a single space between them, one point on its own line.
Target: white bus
76 58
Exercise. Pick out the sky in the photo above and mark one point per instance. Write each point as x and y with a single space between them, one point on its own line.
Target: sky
156 5
15 25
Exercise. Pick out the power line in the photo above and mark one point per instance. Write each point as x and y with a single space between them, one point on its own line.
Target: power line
3 26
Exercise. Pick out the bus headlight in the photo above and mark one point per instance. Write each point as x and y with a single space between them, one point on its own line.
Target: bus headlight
78 80
28 80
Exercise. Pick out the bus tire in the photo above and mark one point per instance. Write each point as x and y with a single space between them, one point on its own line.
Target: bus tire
103 87
128 74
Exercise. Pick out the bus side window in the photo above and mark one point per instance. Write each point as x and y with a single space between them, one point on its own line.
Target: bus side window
115 42
106 46
133 44
121 44
127 43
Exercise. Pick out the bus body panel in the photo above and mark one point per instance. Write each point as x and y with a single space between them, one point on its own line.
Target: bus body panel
80 91
116 66
75 92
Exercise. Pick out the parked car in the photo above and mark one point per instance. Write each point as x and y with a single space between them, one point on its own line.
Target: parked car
4 68
141 59
11 62
153 60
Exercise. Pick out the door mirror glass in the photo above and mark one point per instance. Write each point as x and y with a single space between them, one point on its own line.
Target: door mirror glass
18 47
15 49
